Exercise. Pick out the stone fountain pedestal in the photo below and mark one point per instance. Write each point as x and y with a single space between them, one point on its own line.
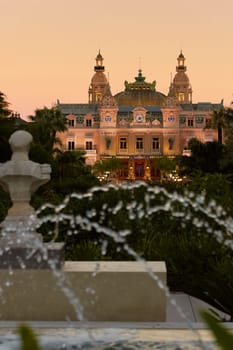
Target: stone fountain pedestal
20 245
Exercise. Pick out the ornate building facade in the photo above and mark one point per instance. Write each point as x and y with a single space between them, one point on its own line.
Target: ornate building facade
139 124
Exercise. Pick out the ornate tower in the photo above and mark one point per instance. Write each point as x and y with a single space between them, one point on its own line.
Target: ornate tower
99 82
180 87
108 109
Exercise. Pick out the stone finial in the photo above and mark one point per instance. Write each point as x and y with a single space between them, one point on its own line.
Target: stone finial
20 144
21 177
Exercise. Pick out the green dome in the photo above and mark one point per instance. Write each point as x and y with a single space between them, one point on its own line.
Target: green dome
140 93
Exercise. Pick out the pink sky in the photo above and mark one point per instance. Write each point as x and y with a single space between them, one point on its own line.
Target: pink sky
48 47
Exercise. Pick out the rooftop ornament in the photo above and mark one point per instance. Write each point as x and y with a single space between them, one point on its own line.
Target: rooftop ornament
140 83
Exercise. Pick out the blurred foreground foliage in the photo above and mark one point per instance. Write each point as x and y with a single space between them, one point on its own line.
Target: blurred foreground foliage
28 339
223 335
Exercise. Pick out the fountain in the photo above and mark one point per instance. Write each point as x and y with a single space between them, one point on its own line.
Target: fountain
37 271
110 298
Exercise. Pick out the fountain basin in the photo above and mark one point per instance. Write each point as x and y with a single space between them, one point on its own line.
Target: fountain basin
118 336
95 291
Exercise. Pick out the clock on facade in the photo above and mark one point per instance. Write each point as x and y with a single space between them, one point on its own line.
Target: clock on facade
171 118
108 118
139 118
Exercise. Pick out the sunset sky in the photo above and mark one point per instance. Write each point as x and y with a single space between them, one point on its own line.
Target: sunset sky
48 47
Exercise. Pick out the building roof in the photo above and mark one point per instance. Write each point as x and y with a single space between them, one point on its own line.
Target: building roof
123 109
140 92
201 106
78 108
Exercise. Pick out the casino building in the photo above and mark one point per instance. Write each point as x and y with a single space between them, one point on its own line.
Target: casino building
137 125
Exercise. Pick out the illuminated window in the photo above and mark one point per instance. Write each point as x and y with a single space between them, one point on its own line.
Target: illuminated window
123 143
98 97
155 143
88 145
71 145
71 123
88 123
139 143
181 96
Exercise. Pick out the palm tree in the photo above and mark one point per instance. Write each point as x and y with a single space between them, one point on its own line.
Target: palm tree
47 123
71 174
223 122
7 127
69 163
219 122
4 110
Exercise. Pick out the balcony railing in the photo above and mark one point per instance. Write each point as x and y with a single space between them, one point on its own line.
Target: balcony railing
90 151
186 152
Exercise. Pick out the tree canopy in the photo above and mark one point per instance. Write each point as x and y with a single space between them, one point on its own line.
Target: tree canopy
223 122
47 122
205 157
4 106
8 124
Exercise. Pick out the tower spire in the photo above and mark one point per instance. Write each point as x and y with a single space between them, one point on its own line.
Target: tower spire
99 81
180 86
181 59
99 67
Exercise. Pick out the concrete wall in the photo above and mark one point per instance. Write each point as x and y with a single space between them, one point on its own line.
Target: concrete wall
116 291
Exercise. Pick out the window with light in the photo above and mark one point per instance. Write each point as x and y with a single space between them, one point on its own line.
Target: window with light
155 143
88 145
139 143
123 143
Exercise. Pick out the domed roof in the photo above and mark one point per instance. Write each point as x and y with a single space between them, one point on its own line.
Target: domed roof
181 77
140 93
99 78
136 98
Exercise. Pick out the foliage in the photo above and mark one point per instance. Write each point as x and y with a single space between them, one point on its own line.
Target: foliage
215 187
71 174
218 123
28 338
222 335
110 165
85 251
46 123
166 165
4 110
222 121
216 156
5 203
205 157
8 124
